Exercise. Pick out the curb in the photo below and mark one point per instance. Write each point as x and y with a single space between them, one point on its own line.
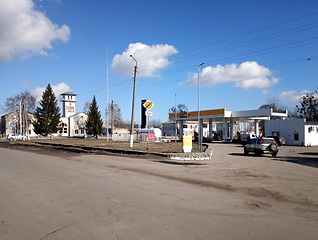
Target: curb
207 155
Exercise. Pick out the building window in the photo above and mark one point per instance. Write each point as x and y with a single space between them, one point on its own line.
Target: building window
82 131
76 131
296 136
311 129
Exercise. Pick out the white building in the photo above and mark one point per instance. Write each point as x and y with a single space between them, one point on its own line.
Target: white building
296 132
17 123
73 124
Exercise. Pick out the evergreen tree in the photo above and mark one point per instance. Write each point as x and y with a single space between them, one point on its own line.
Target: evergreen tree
94 123
47 116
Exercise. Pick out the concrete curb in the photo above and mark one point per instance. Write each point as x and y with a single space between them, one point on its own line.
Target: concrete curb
207 155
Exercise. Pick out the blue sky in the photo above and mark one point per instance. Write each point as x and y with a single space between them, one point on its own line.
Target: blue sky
252 51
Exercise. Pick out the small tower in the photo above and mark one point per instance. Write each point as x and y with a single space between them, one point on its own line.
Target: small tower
68 99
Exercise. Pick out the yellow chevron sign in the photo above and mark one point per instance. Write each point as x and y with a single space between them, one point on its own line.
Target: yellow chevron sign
148 104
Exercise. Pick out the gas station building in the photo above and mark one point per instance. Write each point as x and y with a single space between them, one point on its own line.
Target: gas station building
228 120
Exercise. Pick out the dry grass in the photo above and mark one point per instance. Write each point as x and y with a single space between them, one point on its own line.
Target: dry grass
152 147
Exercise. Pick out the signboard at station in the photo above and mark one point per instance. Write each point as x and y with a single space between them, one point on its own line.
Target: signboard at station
148 113
70 109
148 105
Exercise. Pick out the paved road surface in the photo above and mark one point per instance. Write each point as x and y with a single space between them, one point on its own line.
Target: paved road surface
51 195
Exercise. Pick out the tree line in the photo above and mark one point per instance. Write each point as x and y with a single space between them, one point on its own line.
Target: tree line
47 113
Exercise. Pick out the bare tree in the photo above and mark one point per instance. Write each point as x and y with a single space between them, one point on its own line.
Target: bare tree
113 114
156 123
180 108
26 99
274 104
308 107
86 107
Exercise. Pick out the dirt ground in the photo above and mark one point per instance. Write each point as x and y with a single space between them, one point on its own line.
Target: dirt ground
274 190
291 176
151 147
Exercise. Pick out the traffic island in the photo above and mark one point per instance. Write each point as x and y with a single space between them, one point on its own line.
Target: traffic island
189 156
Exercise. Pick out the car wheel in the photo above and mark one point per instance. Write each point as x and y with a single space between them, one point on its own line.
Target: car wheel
257 152
245 151
273 147
274 154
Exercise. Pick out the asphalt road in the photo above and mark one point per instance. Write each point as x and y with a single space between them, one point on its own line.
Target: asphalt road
57 195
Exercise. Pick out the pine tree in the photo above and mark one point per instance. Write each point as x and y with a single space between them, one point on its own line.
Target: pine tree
47 116
94 123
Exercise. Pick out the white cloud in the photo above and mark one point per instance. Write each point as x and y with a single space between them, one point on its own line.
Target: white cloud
265 91
57 89
246 75
26 31
150 59
293 97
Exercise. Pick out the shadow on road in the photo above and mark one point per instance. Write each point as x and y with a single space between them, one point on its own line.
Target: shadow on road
181 163
305 161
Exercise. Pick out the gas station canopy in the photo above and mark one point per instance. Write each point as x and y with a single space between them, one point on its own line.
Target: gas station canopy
219 115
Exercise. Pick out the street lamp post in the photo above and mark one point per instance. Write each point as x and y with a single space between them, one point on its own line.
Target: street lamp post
199 125
133 107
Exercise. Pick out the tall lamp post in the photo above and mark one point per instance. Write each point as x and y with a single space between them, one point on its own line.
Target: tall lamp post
199 125
133 107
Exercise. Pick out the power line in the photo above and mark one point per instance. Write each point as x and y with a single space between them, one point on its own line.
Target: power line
234 46
254 31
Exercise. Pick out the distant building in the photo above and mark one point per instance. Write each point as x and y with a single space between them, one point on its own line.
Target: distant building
297 132
72 123
68 100
15 123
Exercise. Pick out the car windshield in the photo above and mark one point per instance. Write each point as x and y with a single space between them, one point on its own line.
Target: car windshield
268 140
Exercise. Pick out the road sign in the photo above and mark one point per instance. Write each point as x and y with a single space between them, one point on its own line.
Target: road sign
12 124
148 113
148 104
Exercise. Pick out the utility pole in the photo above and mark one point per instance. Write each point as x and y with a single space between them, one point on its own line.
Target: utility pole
175 116
112 116
133 106
107 111
199 121
20 117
